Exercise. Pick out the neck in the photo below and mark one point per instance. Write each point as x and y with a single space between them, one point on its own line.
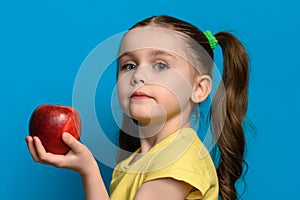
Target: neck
155 132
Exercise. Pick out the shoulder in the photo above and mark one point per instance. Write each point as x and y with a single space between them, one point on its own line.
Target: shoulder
187 161
185 151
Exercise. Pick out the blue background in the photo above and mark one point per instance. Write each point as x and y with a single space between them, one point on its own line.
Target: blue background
43 43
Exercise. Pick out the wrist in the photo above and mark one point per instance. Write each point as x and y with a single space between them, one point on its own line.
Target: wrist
91 169
93 184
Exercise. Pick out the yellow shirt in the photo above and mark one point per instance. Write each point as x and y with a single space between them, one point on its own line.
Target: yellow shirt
180 156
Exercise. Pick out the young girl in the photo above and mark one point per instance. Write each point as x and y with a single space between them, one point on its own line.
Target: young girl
165 68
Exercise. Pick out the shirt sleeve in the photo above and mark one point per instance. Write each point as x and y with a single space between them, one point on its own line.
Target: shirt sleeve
189 168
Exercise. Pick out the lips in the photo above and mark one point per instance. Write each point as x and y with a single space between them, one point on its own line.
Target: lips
137 95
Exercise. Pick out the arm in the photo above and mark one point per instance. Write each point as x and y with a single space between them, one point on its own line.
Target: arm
163 189
79 159
94 188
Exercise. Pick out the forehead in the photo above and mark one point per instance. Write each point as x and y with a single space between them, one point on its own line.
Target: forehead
160 40
149 52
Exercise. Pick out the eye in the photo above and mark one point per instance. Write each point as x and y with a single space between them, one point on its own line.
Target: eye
128 67
160 66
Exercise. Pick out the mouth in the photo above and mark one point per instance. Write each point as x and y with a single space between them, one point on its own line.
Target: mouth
137 95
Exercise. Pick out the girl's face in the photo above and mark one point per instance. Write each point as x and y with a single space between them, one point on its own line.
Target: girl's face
154 82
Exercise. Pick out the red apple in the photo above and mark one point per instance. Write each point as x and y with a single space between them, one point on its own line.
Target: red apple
49 122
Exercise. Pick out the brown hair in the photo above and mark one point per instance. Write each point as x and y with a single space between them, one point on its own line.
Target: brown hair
232 105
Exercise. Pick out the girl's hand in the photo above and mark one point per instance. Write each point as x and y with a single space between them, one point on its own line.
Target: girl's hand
79 158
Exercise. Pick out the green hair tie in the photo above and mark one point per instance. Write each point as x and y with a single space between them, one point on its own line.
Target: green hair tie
213 42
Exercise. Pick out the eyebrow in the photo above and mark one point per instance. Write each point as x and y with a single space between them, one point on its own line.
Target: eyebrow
153 53
163 53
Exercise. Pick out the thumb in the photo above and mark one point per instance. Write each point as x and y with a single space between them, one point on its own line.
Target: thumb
71 141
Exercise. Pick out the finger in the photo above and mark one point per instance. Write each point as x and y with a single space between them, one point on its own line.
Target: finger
40 150
32 149
72 142
48 158
39 146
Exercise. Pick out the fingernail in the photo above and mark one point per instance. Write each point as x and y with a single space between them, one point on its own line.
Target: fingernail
65 135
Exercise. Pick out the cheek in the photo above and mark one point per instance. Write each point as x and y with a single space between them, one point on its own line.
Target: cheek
121 95
122 92
166 97
177 87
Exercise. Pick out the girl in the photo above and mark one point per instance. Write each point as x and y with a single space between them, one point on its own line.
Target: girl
165 68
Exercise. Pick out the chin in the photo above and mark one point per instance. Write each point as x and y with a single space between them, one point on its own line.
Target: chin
141 119
147 113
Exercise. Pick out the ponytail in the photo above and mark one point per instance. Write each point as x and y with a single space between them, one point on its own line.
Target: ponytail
232 107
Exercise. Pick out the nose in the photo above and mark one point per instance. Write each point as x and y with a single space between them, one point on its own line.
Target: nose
139 76
134 81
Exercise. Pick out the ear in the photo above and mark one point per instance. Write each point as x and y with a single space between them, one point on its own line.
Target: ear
201 89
